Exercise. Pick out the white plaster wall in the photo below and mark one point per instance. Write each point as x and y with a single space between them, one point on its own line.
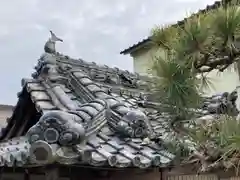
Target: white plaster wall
222 82
142 61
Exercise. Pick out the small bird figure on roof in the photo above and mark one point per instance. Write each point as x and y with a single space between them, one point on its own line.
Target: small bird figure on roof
49 46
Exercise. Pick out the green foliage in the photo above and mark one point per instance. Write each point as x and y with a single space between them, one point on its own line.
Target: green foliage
205 82
178 148
203 43
219 142
176 86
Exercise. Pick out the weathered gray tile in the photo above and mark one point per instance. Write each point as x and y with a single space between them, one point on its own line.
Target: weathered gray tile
34 87
44 105
39 96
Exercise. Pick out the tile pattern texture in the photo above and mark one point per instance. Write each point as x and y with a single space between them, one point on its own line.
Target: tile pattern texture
77 112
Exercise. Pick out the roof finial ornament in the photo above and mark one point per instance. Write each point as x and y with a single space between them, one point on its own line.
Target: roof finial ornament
49 46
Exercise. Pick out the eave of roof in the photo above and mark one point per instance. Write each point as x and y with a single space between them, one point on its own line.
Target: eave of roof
135 46
144 41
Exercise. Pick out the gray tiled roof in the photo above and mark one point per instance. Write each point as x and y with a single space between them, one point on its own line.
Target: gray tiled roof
91 113
76 112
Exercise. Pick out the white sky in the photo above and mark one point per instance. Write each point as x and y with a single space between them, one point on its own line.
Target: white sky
95 30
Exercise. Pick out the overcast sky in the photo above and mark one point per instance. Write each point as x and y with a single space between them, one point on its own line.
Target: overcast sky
95 30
